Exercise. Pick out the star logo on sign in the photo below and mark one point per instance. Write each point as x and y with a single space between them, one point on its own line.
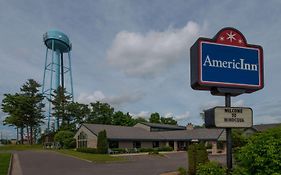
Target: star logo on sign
222 38
230 36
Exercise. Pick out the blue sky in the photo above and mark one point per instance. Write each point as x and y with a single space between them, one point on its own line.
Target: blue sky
135 54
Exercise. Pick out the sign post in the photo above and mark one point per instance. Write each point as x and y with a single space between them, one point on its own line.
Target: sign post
228 138
227 66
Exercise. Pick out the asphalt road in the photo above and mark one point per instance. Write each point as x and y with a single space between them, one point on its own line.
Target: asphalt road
51 163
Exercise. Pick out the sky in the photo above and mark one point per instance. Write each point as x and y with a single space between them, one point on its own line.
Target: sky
135 55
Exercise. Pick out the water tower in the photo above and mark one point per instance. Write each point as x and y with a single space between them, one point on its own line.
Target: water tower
57 71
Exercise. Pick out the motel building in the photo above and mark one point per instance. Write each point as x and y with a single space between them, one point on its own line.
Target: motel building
151 135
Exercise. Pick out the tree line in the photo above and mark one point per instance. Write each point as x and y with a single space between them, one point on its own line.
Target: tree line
25 111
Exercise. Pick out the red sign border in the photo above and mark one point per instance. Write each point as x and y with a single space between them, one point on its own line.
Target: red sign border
203 85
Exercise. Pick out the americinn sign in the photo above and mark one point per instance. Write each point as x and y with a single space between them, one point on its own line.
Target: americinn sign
226 61
227 65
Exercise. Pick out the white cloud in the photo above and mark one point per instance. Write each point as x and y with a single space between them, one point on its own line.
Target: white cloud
146 55
209 104
88 98
143 114
184 116
129 97
238 103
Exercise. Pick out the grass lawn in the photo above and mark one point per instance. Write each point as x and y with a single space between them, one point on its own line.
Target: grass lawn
20 147
98 158
4 163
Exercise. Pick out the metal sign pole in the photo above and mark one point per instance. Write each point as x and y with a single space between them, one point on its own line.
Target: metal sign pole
228 138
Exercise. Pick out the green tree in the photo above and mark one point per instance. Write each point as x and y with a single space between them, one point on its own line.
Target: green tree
76 113
210 168
140 120
33 106
154 118
261 155
25 108
102 144
168 120
13 106
65 138
59 101
238 138
101 113
121 119
197 154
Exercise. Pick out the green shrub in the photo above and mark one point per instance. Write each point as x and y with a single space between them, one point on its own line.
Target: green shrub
165 148
65 138
146 149
102 144
182 171
209 146
154 152
262 154
119 150
192 159
240 171
197 153
202 154
210 168
88 150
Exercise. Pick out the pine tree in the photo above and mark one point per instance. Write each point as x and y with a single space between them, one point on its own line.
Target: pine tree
102 144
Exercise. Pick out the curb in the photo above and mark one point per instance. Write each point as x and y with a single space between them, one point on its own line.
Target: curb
10 164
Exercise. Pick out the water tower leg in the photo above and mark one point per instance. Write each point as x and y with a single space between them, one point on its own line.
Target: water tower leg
70 73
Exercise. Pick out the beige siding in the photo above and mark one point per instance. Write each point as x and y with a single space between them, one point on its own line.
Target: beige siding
139 125
163 144
125 144
146 144
92 138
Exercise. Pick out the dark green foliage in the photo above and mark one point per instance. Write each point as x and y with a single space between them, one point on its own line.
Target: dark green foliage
65 138
238 138
202 154
24 109
146 149
182 171
88 150
102 144
101 113
154 118
77 112
262 154
168 120
210 168
197 153
165 148
60 101
140 120
240 171
119 150
121 119
192 159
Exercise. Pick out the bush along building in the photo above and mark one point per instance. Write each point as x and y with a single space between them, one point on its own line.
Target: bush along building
151 135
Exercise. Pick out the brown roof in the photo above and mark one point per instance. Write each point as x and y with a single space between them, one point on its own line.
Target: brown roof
164 126
134 133
263 127
197 133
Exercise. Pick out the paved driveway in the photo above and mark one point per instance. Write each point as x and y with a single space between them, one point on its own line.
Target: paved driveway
50 163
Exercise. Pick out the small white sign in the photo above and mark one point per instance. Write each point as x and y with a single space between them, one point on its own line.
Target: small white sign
233 117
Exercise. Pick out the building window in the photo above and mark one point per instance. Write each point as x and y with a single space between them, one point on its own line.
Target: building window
113 144
137 144
82 140
155 144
